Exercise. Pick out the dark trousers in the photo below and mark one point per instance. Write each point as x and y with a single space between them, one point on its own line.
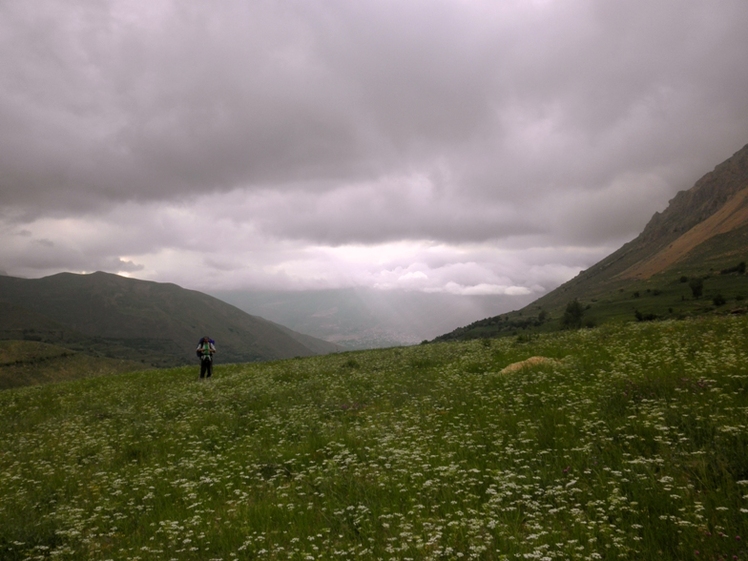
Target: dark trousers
206 368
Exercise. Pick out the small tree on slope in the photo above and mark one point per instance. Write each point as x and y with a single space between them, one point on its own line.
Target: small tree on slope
572 318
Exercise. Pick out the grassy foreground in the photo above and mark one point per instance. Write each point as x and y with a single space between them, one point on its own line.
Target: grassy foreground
27 363
633 445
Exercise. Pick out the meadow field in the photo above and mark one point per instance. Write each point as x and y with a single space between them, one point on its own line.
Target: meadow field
632 443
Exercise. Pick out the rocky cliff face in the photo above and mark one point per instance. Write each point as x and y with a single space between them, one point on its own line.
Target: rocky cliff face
703 232
724 188
686 210
707 196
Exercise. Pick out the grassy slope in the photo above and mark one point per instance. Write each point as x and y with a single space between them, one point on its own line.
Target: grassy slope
663 295
633 446
159 322
702 232
26 363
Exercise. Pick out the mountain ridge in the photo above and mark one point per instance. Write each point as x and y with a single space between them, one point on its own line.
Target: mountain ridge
702 232
731 216
156 322
684 211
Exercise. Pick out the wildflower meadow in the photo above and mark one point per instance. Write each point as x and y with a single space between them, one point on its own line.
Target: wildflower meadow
630 443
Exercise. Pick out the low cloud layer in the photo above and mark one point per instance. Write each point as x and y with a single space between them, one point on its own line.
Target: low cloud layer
459 147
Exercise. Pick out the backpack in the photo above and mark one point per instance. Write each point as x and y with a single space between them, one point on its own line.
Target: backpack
199 349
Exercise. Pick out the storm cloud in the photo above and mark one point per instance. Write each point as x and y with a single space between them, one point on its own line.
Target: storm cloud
464 147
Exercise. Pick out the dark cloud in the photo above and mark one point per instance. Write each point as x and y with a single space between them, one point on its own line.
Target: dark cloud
132 135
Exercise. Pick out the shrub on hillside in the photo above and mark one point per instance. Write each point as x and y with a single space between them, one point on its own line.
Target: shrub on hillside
697 287
739 269
572 318
644 317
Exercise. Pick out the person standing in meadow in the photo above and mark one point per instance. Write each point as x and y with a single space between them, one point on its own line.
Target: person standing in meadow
206 348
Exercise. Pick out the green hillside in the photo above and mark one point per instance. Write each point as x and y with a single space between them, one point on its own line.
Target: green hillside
701 237
626 442
157 324
665 296
27 363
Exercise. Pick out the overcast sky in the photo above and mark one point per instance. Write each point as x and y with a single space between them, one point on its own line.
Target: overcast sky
459 146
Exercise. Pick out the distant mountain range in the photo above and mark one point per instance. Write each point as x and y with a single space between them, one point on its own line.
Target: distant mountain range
157 324
701 237
367 318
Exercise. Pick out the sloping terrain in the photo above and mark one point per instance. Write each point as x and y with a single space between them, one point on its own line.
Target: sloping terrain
702 233
732 216
29 363
714 205
150 322
627 442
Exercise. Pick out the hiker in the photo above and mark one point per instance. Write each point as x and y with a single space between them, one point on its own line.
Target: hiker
206 348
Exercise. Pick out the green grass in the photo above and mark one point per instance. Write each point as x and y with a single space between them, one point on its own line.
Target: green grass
632 446
26 363
662 297
666 297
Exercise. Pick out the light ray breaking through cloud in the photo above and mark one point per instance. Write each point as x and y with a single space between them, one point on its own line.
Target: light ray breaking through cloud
462 147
